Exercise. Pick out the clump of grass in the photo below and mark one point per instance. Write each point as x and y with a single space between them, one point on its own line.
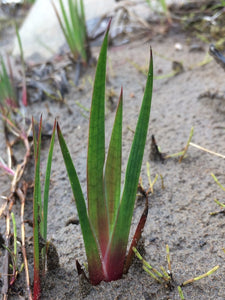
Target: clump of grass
106 222
24 86
73 26
8 101
40 210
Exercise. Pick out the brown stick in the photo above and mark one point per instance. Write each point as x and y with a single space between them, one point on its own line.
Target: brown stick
22 197
137 236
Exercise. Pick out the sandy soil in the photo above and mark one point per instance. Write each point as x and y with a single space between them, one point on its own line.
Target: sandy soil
179 215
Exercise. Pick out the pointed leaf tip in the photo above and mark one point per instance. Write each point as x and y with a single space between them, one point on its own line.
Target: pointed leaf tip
109 24
121 91
54 126
151 52
58 128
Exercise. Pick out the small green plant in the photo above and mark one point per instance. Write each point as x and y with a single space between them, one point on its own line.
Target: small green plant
166 277
40 209
24 86
74 29
8 100
106 222
14 266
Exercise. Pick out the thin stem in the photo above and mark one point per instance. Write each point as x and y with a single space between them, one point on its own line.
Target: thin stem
6 259
206 150
217 181
168 258
22 198
180 293
191 280
187 145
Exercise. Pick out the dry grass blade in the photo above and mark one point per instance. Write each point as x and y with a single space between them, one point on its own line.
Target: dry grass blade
206 150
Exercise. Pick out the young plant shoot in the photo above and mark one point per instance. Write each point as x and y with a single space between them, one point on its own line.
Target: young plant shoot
73 26
106 221
40 209
8 100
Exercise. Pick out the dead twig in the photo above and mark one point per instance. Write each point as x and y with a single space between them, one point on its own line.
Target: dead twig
22 196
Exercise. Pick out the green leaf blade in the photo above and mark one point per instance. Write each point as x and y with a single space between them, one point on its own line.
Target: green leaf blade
47 184
117 250
91 245
96 153
66 27
113 166
74 29
36 210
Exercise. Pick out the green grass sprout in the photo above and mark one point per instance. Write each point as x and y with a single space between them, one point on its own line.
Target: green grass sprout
106 221
16 269
153 272
73 26
151 183
191 280
182 153
8 100
217 201
181 295
40 210
166 277
24 85
217 181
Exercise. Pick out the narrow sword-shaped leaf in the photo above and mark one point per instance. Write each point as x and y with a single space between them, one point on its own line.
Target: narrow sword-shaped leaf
83 31
47 183
75 24
63 28
36 211
67 23
96 153
113 166
91 245
117 250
